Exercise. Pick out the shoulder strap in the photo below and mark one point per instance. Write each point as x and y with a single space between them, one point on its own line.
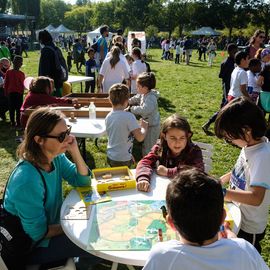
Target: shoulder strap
42 178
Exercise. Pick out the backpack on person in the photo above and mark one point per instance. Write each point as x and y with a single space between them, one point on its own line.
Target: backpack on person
60 63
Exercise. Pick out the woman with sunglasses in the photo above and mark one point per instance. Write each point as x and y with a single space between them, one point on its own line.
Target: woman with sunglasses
34 190
256 42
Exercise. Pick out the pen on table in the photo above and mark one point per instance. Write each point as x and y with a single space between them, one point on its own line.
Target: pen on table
164 211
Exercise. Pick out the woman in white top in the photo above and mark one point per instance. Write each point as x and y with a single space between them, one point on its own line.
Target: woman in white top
137 67
113 70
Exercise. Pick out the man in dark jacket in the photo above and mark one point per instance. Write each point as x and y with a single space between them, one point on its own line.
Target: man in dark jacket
47 63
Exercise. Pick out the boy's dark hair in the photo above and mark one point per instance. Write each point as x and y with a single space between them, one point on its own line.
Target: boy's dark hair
17 59
90 50
239 56
103 29
238 115
118 94
147 79
254 62
231 47
195 204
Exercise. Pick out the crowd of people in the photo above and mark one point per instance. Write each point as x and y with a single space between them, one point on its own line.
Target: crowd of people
194 199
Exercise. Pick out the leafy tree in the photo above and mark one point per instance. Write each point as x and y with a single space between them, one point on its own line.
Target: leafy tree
78 18
3 5
261 14
23 7
52 12
151 31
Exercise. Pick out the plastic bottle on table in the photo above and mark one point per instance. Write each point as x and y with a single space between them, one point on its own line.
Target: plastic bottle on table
92 111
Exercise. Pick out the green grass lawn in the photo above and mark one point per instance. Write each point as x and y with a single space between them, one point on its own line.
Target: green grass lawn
193 91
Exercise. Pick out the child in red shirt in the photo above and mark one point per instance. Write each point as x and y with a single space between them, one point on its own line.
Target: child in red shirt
14 89
174 150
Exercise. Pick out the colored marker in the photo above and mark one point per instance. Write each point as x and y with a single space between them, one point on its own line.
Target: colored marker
160 236
164 211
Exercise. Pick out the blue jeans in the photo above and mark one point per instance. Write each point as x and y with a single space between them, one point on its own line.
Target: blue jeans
60 248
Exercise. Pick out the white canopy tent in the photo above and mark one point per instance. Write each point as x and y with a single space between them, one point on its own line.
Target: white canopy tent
205 31
61 29
96 34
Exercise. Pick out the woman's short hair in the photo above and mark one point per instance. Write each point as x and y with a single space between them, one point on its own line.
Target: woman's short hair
40 123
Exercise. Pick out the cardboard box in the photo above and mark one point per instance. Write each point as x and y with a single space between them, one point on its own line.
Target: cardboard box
116 178
100 100
101 112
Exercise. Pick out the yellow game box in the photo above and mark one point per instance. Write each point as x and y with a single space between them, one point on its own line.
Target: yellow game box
116 178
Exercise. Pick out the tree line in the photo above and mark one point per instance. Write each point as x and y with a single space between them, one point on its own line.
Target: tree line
152 15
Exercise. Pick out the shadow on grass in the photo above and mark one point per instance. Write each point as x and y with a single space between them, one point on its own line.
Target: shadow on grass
8 138
166 104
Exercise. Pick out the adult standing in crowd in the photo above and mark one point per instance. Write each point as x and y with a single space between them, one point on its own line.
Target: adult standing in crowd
256 42
48 65
113 70
102 45
78 54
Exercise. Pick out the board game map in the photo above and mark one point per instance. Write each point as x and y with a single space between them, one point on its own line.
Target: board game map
130 225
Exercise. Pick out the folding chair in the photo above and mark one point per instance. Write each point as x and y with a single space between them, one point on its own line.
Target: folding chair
207 152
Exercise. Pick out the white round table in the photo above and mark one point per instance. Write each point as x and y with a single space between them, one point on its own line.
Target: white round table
78 230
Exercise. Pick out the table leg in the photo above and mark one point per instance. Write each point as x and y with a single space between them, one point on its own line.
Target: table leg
82 145
114 266
96 142
84 149
81 87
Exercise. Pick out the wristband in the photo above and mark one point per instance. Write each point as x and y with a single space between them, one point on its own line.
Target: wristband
224 191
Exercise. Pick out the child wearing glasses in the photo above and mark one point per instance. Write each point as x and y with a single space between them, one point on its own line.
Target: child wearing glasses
145 105
171 152
242 123
195 210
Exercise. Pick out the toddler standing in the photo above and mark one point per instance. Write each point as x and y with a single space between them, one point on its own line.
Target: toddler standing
145 104
14 89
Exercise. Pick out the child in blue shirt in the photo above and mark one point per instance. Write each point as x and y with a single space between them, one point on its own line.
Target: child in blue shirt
90 69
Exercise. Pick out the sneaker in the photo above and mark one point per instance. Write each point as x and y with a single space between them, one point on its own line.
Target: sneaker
205 128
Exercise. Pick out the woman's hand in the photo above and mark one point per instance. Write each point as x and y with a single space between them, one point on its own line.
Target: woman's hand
72 144
143 185
162 170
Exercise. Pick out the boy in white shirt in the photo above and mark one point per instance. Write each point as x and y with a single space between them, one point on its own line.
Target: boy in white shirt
195 210
254 89
122 127
239 79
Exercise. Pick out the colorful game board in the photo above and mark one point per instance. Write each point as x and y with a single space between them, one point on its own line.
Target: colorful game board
128 225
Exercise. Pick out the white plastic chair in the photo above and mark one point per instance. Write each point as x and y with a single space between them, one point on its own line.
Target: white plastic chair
207 152
2 264
70 265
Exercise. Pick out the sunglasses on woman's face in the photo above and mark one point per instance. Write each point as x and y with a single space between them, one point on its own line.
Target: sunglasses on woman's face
62 135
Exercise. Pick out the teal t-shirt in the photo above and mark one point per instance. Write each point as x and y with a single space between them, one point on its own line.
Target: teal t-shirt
24 195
